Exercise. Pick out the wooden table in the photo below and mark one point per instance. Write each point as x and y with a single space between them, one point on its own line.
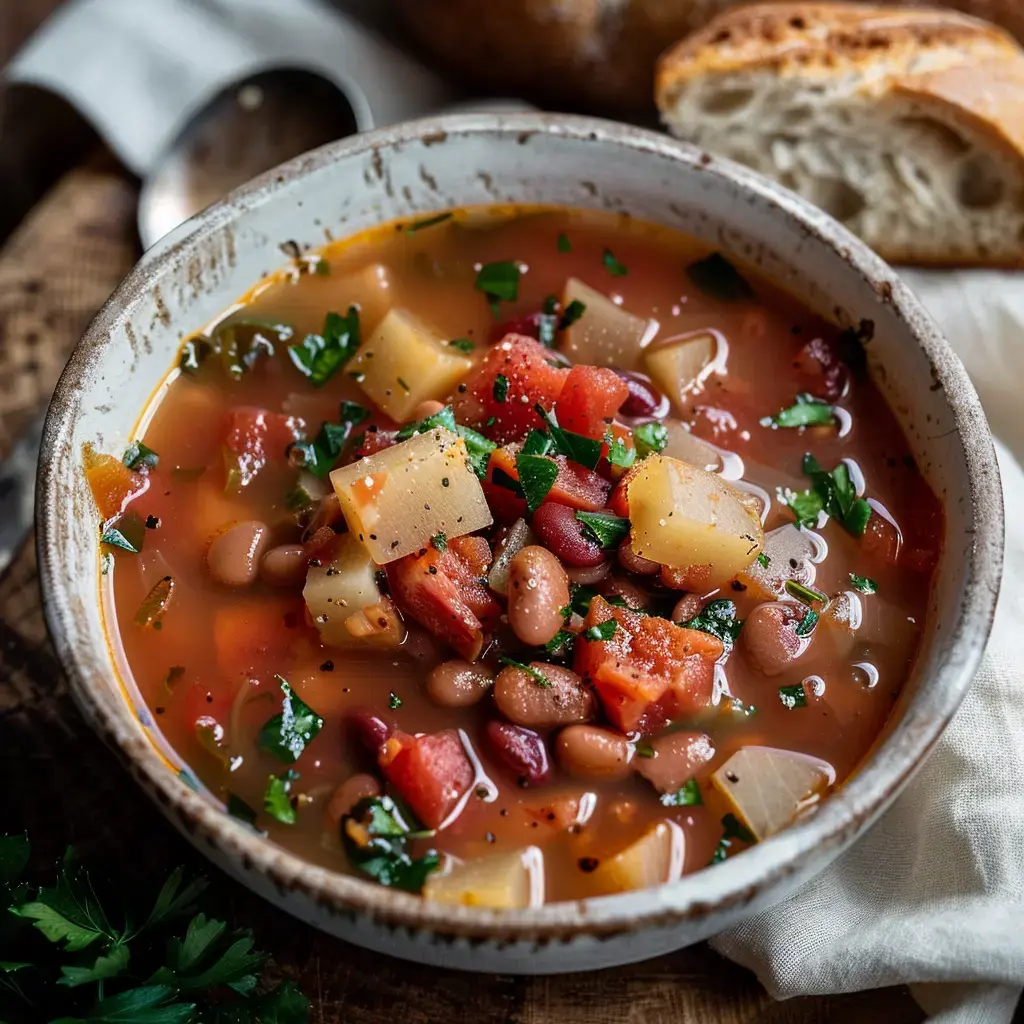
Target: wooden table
63 786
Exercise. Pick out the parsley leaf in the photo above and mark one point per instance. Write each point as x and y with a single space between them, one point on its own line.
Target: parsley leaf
650 438
427 222
376 837
643 748
564 245
277 801
580 597
138 455
571 314
863 583
731 831
607 529
763 559
318 356
440 542
499 281
500 388
585 451
718 618
462 344
394 701
619 453
832 492
537 475
716 276
478 448
128 534
286 735
561 644
239 809
807 412
793 696
807 623
602 631
688 795
444 418
612 265
320 454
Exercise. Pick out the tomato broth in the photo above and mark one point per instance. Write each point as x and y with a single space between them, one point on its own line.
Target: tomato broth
735 665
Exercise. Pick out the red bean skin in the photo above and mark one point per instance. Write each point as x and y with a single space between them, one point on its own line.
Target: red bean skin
520 750
368 729
562 534
769 638
644 398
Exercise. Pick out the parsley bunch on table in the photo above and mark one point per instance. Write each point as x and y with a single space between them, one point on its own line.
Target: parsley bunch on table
70 955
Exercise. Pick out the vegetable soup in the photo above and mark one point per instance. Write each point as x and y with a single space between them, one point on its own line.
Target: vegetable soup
518 555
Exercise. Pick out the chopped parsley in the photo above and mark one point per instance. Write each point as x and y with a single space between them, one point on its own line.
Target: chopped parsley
571 314
462 344
718 618
499 282
376 835
802 592
320 454
106 563
793 696
478 448
128 534
500 389
612 265
443 418
534 673
401 383
580 597
585 451
650 438
277 798
863 584
564 245
427 222
643 748
286 735
688 795
502 479
731 831
394 701
807 623
138 455
833 493
808 411
602 631
318 356
537 443
322 267
763 559
561 644
440 542
537 475
717 277
604 527
619 453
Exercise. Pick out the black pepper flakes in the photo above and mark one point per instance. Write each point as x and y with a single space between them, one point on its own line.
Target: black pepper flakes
327 666
152 523
588 864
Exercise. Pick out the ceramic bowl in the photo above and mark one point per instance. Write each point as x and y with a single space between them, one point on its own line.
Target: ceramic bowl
413 169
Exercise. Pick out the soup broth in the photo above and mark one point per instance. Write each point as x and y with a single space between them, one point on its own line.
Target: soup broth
518 555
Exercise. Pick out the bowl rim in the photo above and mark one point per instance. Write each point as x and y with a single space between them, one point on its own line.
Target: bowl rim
734 884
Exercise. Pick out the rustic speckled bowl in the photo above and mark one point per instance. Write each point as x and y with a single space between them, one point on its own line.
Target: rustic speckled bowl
413 169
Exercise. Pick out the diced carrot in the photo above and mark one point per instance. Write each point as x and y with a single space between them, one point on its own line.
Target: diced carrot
112 483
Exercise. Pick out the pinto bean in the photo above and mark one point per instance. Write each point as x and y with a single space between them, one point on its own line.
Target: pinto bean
369 730
457 683
677 758
769 637
686 608
538 590
587 576
633 595
348 794
233 556
285 565
594 753
557 526
524 699
430 407
520 750
632 562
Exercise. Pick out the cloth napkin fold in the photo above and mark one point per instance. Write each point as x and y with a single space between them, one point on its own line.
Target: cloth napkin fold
933 895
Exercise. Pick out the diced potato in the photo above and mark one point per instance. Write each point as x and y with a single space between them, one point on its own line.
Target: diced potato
405 362
504 881
789 552
693 521
518 537
605 335
397 499
768 787
680 365
687 447
346 604
655 858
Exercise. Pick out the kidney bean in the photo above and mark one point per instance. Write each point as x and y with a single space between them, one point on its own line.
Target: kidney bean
285 565
632 562
367 729
429 407
769 637
557 526
348 794
677 757
686 608
644 400
594 753
458 683
522 699
233 556
538 590
521 750
588 575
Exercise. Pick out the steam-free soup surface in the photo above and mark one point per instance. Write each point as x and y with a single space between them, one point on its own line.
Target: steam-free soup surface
720 556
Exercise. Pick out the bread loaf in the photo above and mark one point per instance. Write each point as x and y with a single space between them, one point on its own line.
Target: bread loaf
905 124
592 54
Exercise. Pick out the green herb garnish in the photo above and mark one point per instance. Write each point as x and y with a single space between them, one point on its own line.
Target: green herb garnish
561 643
807 412
832 492
718 618
440 542
612 265
650 438
619 453
138 455
322 267
807 623
286 735
320 454
564 245
643 748
688 795
499 282
535 674
863 584
444 418
500 388
128 533
502 479
763 560
716 276
239 809
478 448
602 631
318 356
731 831
802 592
537 475
394 701
427 222
277 799
580 597
793 696
537 443
462 344
607 529
571 314
376 839
584 451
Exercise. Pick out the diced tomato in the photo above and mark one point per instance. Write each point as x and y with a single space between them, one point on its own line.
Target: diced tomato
423 589
820 370
650 670
375 439
466 561
431 773
590 398
575 486
532 379
255 435
112 483
254 637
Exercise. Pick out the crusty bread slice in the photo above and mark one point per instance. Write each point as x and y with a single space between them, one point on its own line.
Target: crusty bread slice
907 124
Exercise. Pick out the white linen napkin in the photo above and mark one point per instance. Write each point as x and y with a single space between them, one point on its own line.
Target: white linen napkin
933 895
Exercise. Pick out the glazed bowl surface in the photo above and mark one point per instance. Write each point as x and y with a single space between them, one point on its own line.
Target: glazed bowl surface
413 169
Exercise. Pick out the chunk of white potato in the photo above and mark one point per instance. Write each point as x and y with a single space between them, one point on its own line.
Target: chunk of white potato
681 444
679 365
405 362
653 859
768 787
518 537
395 500
693 521
346 604
789 552
504 881
605 335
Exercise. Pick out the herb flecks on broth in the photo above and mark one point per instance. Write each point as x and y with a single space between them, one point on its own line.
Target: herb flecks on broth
431 588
